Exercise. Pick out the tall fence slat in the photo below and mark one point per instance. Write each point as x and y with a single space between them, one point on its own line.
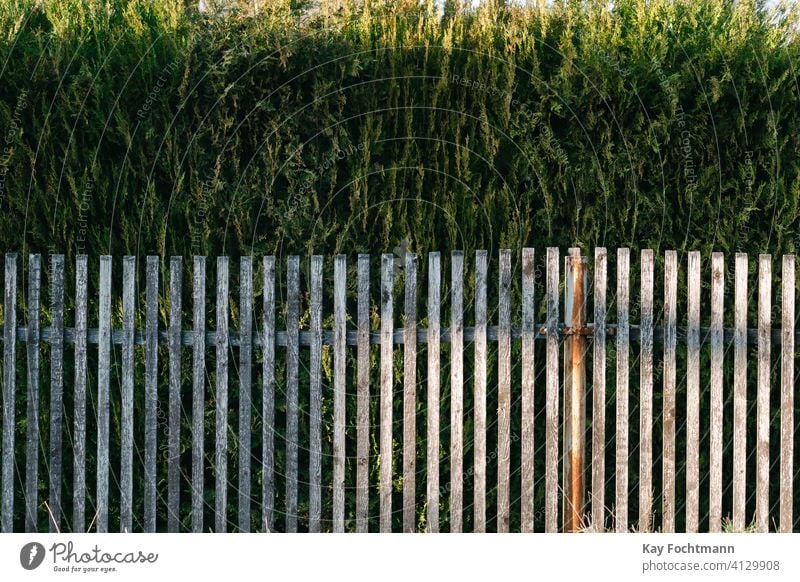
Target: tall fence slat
481 282
410 395
245 387
315 400
150 392
669 411
715 454
221 456
56 389
787 393
623 372
362 397
434 290
457 391
103 385
740 393
339 387
292 364
32 417
646 393
387 321
79 412
693 393
575 289
268 397
599 390
198 389
552 389
126 420
528 375
504 394
9 389
763 394
174 412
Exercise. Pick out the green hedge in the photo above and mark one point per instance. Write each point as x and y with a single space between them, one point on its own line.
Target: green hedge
146 128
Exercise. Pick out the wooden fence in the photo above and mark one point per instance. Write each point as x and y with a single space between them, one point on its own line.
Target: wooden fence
573 500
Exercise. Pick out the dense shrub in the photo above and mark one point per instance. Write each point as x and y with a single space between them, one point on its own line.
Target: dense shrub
146 128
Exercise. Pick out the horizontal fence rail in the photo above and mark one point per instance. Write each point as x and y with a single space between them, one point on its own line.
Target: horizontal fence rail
443 427
399 335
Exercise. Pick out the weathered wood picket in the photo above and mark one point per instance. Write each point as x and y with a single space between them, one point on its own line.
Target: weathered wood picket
577 491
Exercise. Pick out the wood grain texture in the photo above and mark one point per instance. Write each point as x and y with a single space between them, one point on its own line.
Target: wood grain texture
646 393
362 397
126 414
410 395
245 389
599 389
268 397
387 380
79 402
9 391
221 398
740 393
504 393
715 437
787 393
315 399
339 388
434 333
292 365
150 393
669 412
693 393
552 390
198 389
479 464
174 412
457 392
33 301
56 390
763 394
103 387
623 373
528 376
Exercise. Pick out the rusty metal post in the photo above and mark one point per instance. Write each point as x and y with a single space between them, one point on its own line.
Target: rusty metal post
575 292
